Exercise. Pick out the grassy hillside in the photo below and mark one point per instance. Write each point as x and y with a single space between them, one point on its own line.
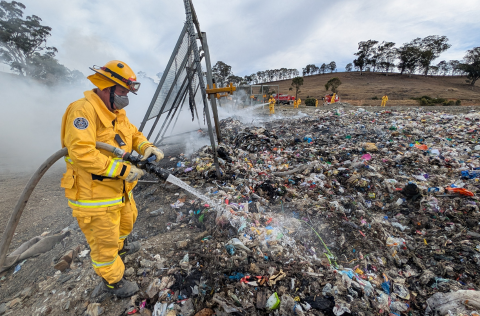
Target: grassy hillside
360 89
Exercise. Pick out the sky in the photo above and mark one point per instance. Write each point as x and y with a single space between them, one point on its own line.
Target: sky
249 35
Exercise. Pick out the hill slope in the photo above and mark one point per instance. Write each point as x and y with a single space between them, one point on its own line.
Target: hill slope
360 89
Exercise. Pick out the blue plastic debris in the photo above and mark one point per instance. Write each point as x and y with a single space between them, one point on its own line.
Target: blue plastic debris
386 287
237 276
230 249
17 268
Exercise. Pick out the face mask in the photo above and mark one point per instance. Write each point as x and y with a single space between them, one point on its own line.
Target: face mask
120 101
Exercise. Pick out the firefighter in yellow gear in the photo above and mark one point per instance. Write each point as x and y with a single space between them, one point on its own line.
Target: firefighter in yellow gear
316 103
98 185
333 99
271 105
384 100
299 101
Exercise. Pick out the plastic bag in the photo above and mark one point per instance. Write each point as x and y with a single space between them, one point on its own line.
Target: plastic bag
460 191
160 309
395 242
238 244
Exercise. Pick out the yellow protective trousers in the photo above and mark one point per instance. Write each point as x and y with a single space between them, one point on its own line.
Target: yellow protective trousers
271 107
106 234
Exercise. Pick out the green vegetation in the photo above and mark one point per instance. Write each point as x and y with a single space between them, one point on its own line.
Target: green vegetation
429 101
375 98
471 65
310 101
426 100
23 46
333 85
297 82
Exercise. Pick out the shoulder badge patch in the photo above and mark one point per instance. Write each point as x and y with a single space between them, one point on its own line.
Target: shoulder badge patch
80 123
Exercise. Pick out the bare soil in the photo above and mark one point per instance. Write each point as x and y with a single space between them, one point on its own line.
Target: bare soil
360 89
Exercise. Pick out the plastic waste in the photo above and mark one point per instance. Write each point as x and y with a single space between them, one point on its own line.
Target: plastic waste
399 226
327 290
160 309
386 287
17 268
382 300
230 249
399 306
401 291
340 310
238 244
453 302
460 191
273 302
395 242
436 190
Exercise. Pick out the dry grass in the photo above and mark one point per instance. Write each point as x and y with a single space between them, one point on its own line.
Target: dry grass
360 89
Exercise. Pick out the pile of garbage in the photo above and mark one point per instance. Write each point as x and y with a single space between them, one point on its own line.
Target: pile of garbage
340 213
344 212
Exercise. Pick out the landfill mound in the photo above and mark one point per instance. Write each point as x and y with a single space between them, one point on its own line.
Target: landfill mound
343 212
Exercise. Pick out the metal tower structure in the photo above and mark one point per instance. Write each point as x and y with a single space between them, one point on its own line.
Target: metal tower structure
182 78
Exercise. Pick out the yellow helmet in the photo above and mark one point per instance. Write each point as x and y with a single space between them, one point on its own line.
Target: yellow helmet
120 73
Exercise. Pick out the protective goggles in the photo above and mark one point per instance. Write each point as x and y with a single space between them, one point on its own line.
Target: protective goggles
132 85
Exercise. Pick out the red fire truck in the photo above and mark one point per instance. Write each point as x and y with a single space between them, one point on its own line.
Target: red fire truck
328 98
284 98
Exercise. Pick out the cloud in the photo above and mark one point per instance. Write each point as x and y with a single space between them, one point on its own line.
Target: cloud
249 35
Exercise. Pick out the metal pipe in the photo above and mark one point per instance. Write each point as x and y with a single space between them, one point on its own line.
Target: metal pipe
213 101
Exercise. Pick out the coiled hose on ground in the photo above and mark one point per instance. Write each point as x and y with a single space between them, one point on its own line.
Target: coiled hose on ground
32 183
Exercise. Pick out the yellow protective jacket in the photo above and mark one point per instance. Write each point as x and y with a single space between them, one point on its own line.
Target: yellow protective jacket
94 180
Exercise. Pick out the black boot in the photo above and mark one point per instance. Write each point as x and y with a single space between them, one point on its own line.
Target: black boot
129 248
122 288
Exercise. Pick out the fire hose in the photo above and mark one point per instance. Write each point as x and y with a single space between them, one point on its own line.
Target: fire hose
32 183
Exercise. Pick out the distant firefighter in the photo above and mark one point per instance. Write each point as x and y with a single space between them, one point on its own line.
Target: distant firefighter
384 100
271 105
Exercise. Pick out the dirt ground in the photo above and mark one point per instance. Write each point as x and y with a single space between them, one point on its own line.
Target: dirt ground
399 88
47 212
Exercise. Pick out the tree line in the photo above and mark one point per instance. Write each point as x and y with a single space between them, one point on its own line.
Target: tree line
412 57
416 56
312 69
222 73
23 46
